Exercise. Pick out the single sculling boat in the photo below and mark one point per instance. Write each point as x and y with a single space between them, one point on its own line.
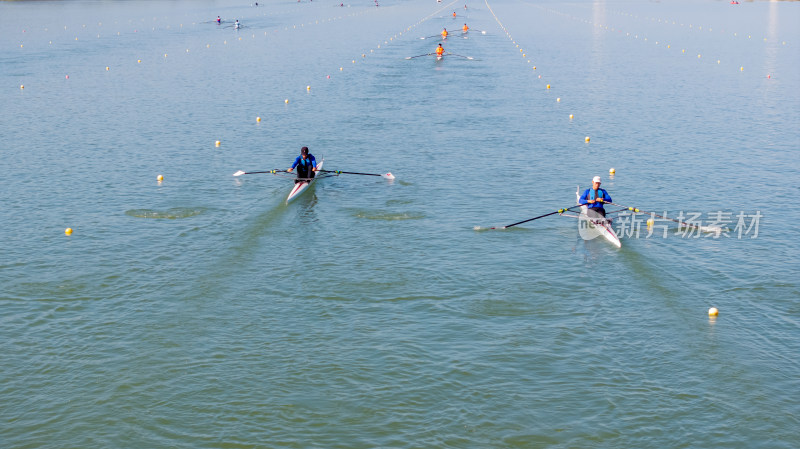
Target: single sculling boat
595 225
301 185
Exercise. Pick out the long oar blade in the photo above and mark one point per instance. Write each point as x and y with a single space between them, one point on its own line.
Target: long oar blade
339 172
714 229
560 211
242 172
460 56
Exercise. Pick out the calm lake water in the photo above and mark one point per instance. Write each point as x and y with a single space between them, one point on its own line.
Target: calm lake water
203 311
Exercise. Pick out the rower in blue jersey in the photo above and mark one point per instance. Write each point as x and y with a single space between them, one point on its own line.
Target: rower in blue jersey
594 198
306 165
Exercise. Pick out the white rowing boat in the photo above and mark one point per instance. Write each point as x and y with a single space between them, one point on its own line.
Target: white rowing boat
302 186
591 227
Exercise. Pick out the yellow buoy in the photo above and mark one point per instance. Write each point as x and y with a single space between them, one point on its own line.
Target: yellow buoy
21 86
138 61
286 101
558 100
611 171
741 69
68 231
534 67
107 69
217 143
713 311
548 86
258 119
571 116
308 87
587 138
159 178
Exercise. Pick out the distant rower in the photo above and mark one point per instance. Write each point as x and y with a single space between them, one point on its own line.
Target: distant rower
219 20
465 29
439 51
444 33
594 198
236 25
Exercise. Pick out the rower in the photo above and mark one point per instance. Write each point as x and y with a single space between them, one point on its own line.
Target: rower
594 198
454 13
219 20
304 162
439 51
465 28
444 33
236 25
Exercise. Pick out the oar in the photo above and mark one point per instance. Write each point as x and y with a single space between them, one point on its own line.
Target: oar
460 56
419 56
560 211
715 229
338 172
242 172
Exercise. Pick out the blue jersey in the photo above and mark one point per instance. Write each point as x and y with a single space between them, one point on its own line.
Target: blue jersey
310 160
589 194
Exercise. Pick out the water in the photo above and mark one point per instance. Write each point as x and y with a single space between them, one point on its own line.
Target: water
204 312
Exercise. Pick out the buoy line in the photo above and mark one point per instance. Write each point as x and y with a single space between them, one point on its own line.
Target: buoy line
636 36
524 54
386 41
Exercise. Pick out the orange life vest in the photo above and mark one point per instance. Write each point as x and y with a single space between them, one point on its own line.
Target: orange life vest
439 51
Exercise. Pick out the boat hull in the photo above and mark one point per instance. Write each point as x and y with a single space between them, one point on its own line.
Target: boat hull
595 225
600 226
